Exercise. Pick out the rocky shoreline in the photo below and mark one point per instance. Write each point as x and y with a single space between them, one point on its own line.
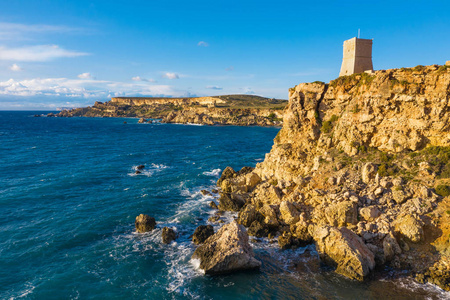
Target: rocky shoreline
240 110
360 169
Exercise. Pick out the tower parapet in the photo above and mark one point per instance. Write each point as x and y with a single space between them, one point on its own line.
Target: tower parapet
357 56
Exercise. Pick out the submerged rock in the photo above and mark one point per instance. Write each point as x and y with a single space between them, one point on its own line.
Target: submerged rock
227 251
168 235
201 233
140 167
345 250
144 223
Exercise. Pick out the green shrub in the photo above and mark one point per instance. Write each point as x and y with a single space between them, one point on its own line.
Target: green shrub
443 190
382 170
326 127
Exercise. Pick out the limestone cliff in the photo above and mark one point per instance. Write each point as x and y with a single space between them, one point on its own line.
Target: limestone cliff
360 166
219 110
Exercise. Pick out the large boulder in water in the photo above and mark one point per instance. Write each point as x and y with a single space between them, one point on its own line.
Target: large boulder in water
144 223
344 249
168 235
201 233
227 251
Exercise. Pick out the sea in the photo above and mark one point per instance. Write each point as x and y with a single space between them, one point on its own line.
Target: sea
69 197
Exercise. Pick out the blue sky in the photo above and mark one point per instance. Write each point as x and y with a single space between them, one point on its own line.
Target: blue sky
72 53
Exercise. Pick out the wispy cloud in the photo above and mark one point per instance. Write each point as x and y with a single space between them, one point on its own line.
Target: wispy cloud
138 78
81 88
203 44
85 76
37 53
170 75
15 68
213 87
17 31
230 68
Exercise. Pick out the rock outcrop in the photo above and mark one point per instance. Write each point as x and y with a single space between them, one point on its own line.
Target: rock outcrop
202 233
360 167
144 223
168 235
226 251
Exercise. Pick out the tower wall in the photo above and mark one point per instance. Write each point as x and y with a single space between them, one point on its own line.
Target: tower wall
357 56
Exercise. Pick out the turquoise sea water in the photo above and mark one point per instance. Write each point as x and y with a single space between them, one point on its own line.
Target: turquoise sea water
69 197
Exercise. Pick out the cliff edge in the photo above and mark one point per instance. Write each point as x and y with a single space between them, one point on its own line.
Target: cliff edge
361 168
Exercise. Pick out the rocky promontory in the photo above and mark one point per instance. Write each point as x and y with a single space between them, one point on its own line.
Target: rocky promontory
242 110
361 169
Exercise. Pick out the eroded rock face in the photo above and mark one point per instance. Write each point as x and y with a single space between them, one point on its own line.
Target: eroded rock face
144 223
227 251
248 215
344 249
341 214
202 233
231 201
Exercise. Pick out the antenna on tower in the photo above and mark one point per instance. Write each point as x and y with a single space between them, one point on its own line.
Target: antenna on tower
359 31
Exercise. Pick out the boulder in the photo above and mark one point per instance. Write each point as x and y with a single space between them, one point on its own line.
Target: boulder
410 227
142 120
270 215
231 202
248 215
202 233
289 212
213 205
300 231
258 229
342 213
140 167
345 250
369 171
287 241
227 173
251 180
390 247
168 235
205 193
244 171
227 251
370 213
144 223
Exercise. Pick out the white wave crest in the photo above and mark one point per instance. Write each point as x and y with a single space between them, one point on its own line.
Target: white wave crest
215 173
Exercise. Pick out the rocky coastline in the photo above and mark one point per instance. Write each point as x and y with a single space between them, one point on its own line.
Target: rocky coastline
240 110
361 169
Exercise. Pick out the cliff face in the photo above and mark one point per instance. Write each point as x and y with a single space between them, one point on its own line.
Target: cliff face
392 111
221 110
360 167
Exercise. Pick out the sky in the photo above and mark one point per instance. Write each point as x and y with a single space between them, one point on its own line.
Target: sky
60 54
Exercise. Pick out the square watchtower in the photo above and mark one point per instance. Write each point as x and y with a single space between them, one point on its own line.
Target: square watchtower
357 56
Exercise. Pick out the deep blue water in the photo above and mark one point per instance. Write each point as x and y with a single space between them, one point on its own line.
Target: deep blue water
69 197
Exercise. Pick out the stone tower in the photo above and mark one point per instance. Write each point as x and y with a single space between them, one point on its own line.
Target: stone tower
357 56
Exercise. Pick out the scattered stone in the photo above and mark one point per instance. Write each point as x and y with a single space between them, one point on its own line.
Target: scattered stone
202 233
168 235
144 223
213 205
410 227
258 229
231 202
289 213
342 213
369 171
369 213
227 251
248 215
142 120
205 193
214 191
345 250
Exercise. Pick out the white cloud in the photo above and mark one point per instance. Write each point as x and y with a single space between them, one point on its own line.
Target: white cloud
16 31
85 76
138 78
230 68
15 68
37 53
213 87
81 88
170 75
203 44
